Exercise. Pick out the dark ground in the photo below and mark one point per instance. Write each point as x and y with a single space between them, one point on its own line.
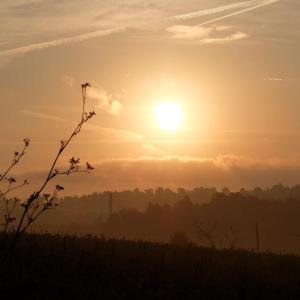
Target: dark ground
47 266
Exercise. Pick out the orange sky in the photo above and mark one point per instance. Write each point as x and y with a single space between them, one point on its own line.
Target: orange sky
231 66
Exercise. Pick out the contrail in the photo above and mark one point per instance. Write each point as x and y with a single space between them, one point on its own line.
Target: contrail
263 3
250 4
58 42
215 10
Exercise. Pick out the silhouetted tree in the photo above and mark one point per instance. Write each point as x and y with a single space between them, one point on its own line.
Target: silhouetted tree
180 239
231 236
206 232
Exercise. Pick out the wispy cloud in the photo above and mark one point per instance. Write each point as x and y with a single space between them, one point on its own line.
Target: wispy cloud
116 16
189 32
245 5
279 79
230 38
41 115
112 135
154 151
68 80
256 6
59 42
105 101
109 134
203 34
215 10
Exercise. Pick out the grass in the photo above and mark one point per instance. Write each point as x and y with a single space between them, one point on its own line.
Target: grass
45 266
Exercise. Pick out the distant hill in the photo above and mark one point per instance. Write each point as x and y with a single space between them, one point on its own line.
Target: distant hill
205 216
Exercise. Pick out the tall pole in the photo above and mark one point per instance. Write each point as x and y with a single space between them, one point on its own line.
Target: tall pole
110 204
257 237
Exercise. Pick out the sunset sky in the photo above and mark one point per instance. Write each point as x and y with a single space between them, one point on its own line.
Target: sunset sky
230 70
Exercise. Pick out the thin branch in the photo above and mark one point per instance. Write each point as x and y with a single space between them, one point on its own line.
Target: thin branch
53 172
10 188
16 159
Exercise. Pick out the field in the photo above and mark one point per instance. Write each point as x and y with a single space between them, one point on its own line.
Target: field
45 266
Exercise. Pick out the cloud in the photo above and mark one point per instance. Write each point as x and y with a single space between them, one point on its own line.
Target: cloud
111 135
233 37
140 16
232 171
275 79
105 101
189 32
202 34
68 80
258 5
144 172
206 12
278 79
60 42
41 115
29 22
26 6
107 134
49 17
151 150
245 5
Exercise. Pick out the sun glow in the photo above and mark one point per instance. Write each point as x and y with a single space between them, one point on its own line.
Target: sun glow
168 116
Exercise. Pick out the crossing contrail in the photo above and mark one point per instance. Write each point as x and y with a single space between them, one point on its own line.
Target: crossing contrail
215 10
262 3
245 5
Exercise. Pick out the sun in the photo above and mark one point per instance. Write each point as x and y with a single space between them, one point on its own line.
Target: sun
168 116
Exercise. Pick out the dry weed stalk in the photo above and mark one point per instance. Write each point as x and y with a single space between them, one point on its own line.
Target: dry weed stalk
39 202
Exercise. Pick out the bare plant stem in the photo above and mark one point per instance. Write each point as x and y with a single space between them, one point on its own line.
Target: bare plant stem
27 205
16 159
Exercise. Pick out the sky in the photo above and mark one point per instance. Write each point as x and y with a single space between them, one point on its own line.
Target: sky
230 66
